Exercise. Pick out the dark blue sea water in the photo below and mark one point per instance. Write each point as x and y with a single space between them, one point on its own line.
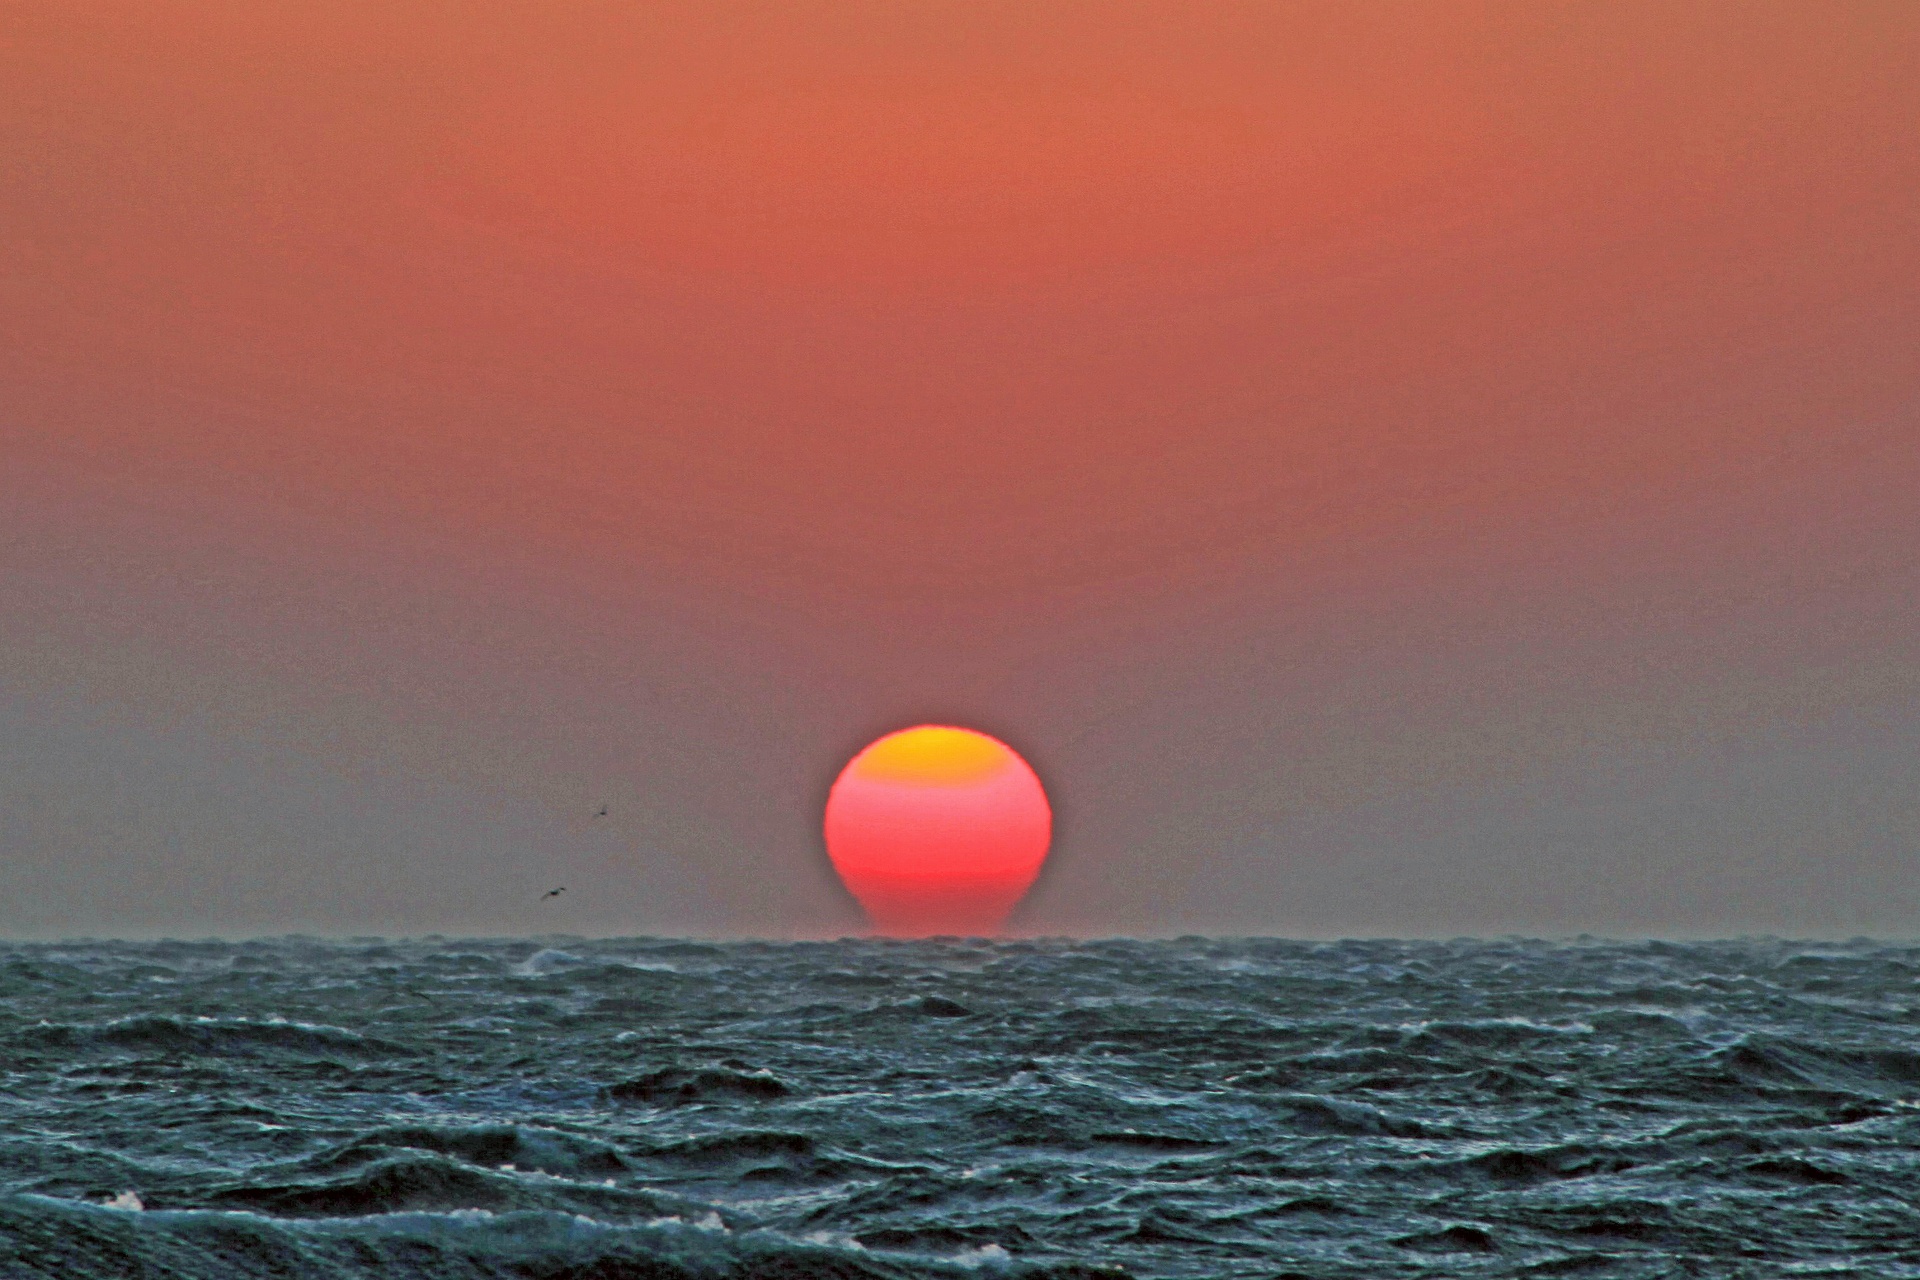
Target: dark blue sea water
573 1110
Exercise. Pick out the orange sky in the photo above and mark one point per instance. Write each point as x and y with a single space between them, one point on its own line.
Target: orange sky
825 367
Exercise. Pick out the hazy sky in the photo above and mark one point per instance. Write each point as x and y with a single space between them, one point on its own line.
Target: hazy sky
1392 469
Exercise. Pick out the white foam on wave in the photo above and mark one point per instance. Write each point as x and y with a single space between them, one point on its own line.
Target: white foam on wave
833 1240
545 961
986 1255
710 1222
646 966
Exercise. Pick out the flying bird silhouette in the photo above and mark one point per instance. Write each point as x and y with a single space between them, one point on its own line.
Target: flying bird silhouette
553 893
602 813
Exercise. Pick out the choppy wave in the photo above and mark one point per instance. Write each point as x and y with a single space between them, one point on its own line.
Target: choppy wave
169 1037
604 1110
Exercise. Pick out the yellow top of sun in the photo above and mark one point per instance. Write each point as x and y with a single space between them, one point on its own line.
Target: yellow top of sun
933 755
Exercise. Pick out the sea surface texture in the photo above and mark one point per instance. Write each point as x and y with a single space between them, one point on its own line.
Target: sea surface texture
574 1110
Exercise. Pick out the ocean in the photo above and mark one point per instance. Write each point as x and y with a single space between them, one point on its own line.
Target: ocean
565 1109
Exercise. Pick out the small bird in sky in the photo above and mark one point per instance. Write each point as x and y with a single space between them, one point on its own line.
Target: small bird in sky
553 893
602 813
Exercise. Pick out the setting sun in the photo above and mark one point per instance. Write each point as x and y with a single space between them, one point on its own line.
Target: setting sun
937 829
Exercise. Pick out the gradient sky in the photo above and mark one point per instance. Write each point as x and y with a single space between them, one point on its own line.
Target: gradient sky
1392 469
